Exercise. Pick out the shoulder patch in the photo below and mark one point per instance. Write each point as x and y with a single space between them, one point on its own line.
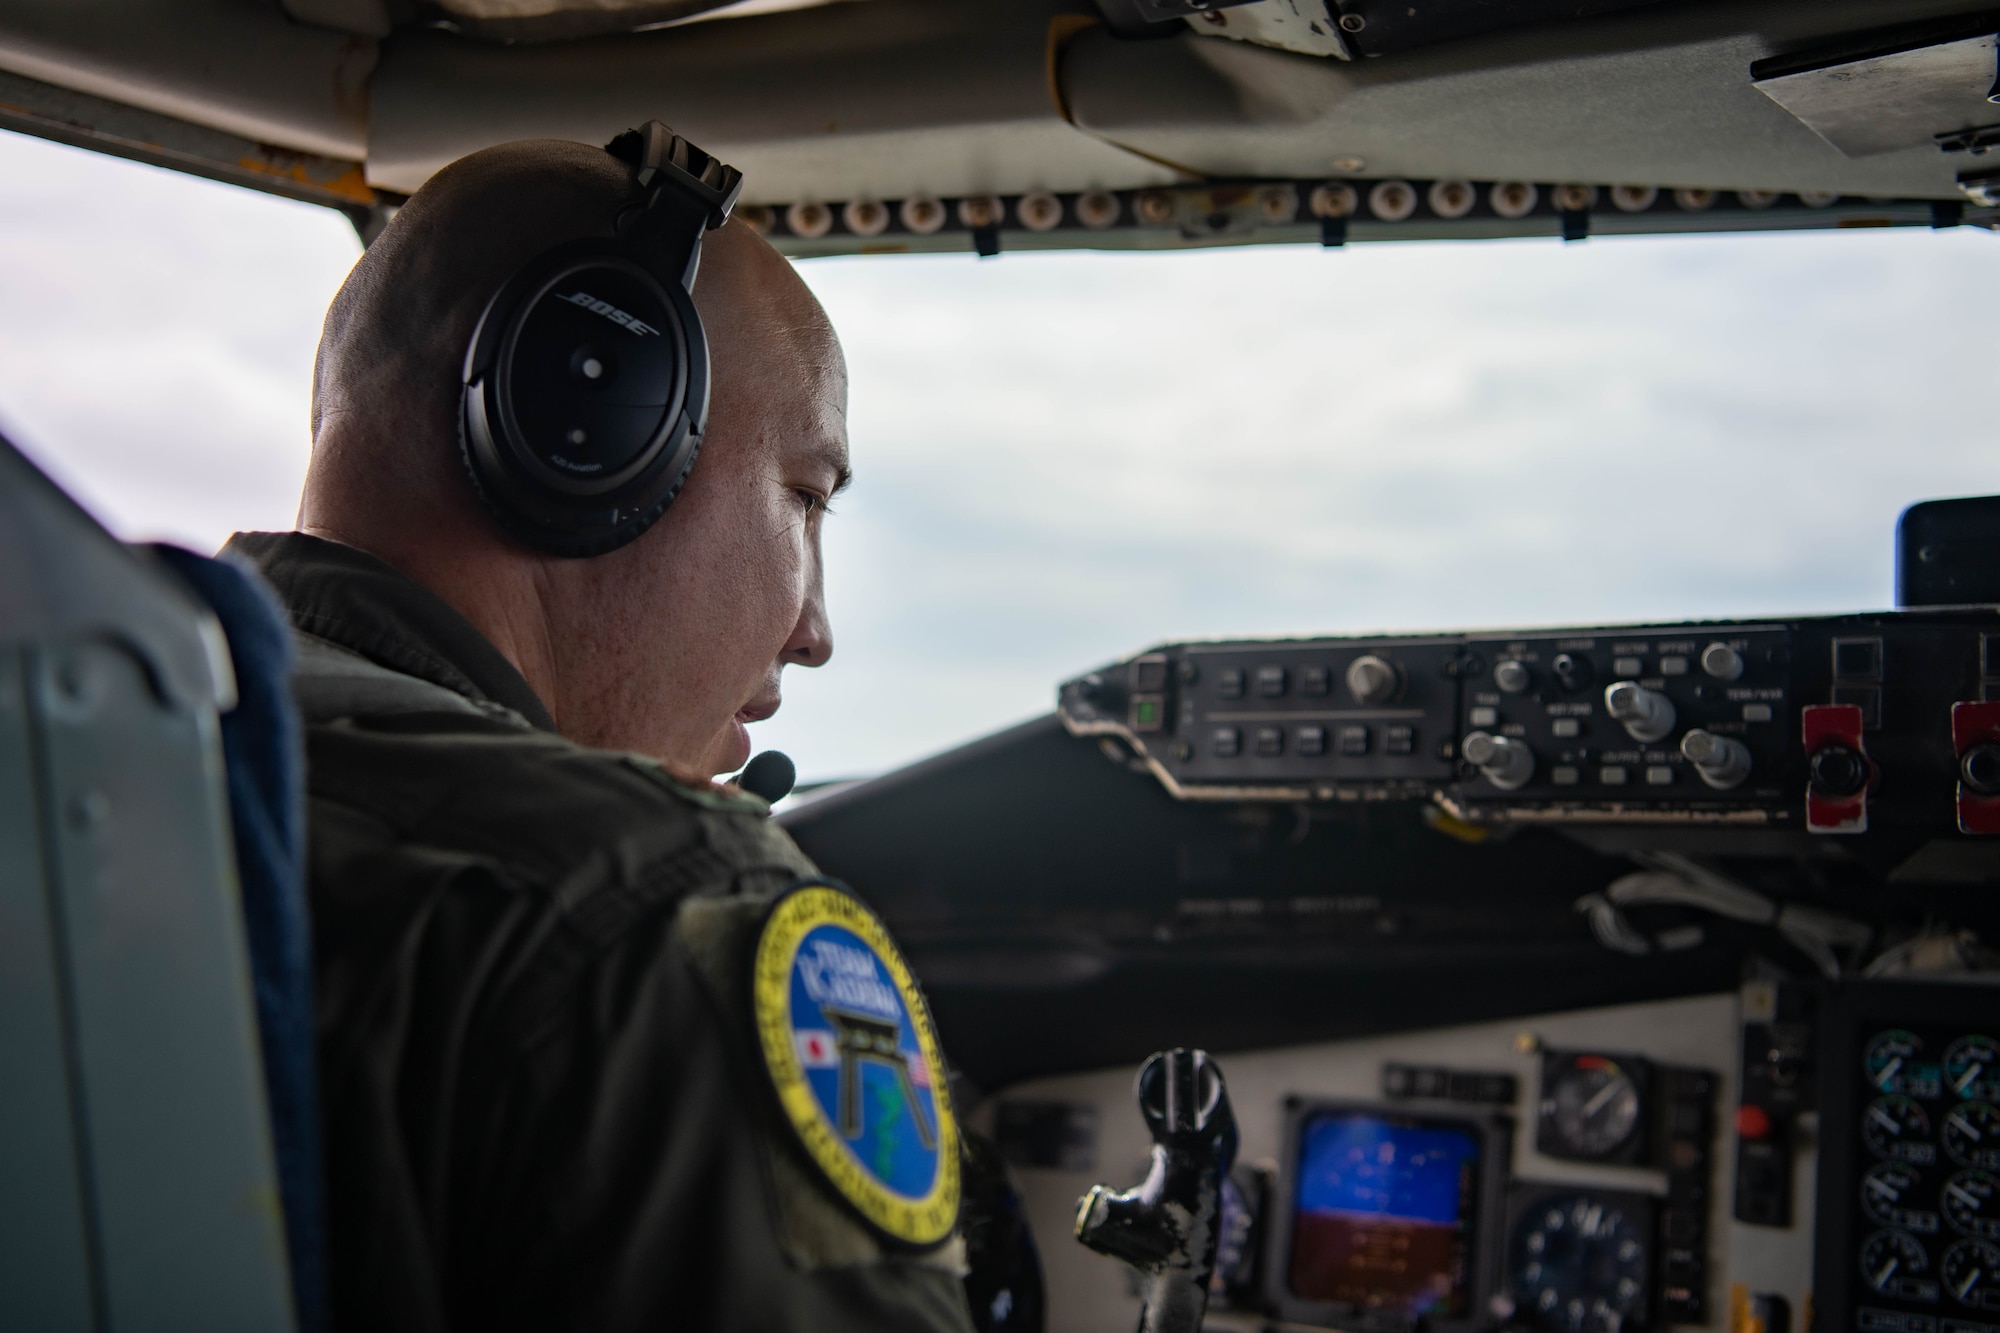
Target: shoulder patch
851 1051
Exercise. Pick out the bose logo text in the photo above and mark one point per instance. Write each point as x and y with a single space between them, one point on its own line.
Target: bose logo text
611 312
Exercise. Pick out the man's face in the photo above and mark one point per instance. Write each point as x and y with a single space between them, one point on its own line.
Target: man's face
673 645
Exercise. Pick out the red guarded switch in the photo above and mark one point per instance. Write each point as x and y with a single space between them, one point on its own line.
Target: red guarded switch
1837 769
1975 739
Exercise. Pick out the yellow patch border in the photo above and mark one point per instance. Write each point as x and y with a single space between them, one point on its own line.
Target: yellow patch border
918 1222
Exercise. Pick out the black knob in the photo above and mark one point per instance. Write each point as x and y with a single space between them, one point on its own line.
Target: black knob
1980 767
1573 673
1838 771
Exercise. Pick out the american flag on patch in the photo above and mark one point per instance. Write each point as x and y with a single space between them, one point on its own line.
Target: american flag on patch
816 1049
920 1072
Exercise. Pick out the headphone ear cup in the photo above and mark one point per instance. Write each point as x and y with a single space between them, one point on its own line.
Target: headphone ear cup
585 399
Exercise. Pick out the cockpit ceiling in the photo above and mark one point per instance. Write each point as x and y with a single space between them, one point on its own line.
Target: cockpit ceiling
923 124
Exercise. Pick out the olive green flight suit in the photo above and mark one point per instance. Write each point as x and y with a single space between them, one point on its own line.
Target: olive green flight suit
545 1106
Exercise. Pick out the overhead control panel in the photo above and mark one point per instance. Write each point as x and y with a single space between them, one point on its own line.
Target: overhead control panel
1824 723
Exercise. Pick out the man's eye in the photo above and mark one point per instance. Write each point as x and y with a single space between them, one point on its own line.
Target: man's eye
813 501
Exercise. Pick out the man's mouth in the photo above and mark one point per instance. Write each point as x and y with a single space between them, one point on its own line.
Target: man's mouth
757 710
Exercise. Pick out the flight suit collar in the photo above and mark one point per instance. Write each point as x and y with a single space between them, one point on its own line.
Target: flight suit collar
368 606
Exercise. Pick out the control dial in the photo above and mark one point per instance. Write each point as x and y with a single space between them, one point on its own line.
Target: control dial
1374 680
1511 676
1647 715
1503 761
1721 661
1722 761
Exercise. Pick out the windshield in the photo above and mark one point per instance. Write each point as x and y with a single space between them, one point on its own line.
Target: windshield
1063 457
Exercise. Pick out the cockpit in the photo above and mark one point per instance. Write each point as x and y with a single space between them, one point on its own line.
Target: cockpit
1576 973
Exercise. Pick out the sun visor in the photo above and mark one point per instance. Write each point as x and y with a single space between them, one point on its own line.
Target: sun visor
1912 93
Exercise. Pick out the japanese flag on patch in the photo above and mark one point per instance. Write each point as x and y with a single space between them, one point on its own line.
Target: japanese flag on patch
816 1049
920 1069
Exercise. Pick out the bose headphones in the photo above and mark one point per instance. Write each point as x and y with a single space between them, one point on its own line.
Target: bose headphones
586 384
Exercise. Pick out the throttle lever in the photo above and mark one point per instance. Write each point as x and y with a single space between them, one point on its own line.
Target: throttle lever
1167 1225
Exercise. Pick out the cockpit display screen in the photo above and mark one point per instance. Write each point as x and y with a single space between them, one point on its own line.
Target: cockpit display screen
1383 1214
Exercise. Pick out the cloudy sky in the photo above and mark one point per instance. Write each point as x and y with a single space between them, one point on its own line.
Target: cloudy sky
1064 458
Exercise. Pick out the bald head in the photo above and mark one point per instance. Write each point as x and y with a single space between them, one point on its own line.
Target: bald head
613 645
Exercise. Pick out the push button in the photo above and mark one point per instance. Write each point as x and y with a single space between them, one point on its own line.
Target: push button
1483 717
1312 741
1399 740
1565 728
1315 681
1226 742
1271 682
1354 741
1229 683
1270 742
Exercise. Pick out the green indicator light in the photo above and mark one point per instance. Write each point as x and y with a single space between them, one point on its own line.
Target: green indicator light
1146 713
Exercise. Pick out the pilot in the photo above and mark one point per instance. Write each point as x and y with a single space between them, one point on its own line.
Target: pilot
598 1047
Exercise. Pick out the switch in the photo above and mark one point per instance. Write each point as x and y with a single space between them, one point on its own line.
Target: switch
1354 741
1613 775
1659 775
1573 673
1149 673
1647 715
1975 736
1226 742
1753 1123
1399 740
1315 681
1483 717
1374 680
1720 761
1503 761
1271 682
1312 741
1722 662
1565 728
1627 666
1673 666
1756 712
1511 676
1565 775
1838 772
1229 683
1270 742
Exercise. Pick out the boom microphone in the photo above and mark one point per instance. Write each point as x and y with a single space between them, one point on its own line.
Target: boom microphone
770 775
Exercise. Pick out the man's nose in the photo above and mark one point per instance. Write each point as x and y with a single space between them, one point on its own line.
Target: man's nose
811 644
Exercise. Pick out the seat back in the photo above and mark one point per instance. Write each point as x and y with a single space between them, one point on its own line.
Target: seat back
137 1186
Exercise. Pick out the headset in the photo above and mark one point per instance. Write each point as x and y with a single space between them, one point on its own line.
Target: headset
586 382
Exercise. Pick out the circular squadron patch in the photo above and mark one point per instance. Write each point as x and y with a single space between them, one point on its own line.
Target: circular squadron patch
855 1060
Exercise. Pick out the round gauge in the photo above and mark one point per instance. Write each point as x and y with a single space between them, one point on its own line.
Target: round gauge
1592 1107
1889 1057
1972 1067
1972 1134
1971 1203
1887 1193
1897 1128
1971 1271
1890 1260
1579 1266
